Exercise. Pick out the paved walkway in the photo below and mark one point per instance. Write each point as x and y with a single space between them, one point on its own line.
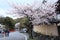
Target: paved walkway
15 36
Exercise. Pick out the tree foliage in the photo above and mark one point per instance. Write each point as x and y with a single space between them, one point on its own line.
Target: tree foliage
43 14
58 6
9 22
2 20
25 23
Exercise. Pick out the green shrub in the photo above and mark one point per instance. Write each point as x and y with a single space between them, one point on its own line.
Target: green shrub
31 39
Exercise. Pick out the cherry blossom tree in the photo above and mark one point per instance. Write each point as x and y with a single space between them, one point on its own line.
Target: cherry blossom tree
42 14
58 6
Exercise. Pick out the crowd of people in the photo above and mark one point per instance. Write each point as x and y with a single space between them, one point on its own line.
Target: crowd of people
4 32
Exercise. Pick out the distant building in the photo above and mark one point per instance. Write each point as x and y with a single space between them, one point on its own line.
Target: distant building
17 25
2 27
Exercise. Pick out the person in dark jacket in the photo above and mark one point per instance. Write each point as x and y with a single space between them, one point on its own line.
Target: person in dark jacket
6 32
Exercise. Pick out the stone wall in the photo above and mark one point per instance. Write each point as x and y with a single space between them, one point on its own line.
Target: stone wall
38 36
46 29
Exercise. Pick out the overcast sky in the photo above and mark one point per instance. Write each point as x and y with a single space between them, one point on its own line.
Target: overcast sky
5 4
